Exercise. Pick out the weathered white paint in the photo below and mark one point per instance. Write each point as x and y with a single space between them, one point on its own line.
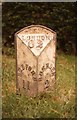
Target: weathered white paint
35 48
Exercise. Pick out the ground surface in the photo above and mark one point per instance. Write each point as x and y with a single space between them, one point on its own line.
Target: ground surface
59 104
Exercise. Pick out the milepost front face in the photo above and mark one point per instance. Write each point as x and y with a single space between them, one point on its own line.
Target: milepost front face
35 59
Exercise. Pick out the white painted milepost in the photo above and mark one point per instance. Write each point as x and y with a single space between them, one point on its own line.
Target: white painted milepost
35 59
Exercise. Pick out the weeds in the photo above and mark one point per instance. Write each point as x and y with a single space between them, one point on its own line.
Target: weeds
57 104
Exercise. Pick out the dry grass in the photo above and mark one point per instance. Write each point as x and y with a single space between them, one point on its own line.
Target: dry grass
59 104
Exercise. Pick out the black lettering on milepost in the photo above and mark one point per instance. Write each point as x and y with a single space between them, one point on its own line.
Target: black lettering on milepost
43 68
29 68
47 65
46 84
33 72
24 86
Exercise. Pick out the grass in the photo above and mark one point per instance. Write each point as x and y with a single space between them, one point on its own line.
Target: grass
58 104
